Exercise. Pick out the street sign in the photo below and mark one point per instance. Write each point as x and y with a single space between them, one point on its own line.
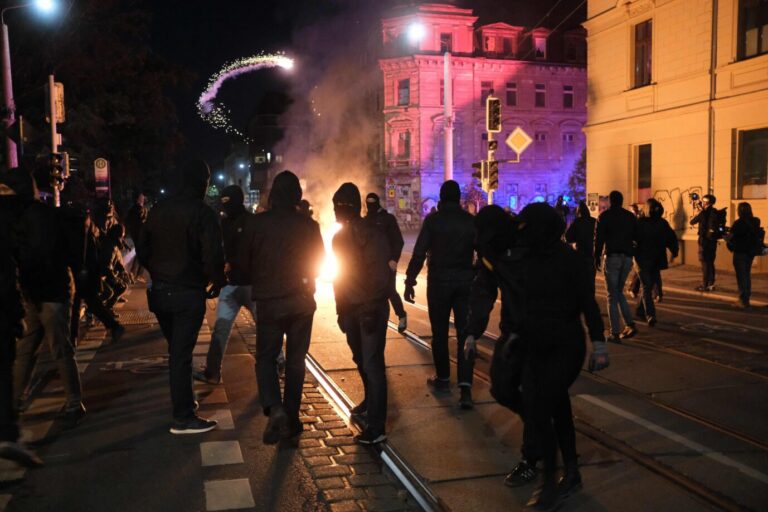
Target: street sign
518 140
101 176
58 99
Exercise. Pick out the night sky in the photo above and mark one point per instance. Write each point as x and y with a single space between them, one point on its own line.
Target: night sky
201 36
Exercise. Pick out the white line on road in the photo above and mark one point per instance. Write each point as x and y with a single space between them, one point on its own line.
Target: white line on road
733 346
677 438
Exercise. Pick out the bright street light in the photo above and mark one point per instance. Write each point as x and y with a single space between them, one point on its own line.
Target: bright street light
241 165
416 32
220 177
46 6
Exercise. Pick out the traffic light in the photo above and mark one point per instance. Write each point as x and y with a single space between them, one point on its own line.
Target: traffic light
493 175
493 145
65 164
492 114
57 169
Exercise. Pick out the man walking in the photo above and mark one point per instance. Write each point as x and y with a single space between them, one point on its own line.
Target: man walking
181 246
447 238
709 233
283 252
237 293
616 233
387 224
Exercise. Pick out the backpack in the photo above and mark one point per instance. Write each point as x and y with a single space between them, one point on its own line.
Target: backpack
719 217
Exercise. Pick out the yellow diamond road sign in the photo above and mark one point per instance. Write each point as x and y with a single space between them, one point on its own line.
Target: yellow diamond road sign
518 140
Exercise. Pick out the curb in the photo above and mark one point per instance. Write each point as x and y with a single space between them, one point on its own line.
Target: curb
721 296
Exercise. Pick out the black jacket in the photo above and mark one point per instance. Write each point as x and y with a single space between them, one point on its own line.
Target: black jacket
654 237
233 229
616 232
46 254
387 224
743 236
582 233
364 273
282 253
181 244
706 223
447 238
11 310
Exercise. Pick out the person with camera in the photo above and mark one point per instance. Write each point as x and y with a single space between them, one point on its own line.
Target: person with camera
709 232
746 241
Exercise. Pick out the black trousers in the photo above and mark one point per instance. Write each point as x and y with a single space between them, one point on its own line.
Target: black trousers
179 311
547 375
297 330
442 299
366 330
394 297
650 279
95 306
9 427
707 253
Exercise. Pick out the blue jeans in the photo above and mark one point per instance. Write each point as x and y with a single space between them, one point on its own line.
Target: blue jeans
616 268
231 299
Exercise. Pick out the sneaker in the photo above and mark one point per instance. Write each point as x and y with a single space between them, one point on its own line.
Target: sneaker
19 454
651 320
465 402
369 436
117 333
522 474
194 425
360 410
72 417
629 331
202 376
613 338
402 324
277 426
439 385
545 498
711 288
570 482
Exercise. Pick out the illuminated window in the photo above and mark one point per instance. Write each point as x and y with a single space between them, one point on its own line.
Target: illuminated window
644 170
446 42
541 95
511 94
753 28
567 96
643 53
752 170
404 145
540 46
540 144
485 90
404 92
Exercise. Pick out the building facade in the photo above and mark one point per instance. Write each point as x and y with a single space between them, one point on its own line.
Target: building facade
539 75
678 105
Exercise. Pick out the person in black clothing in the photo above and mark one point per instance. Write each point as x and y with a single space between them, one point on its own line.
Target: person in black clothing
114 278
554 281
237 293
447 238
11 319
387 223
561 207
361 293
46 258
134 220
181 246
654 237
283 251
746 242
616 233
708 233
581 233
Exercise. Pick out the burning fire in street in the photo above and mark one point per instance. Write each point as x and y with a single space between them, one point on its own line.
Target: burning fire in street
330 266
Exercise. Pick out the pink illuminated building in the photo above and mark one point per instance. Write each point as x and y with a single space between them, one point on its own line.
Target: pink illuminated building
539 75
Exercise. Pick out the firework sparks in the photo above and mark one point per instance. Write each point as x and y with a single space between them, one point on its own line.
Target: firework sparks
215 113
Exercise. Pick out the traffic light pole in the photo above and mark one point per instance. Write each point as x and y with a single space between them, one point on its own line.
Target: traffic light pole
11 156
448 117
491 158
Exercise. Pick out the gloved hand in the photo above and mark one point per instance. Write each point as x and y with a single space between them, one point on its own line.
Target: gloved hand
340 321
212 291
599 357
470 347
410 293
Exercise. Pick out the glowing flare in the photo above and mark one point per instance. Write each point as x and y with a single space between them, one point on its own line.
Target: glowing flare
329 269
216 114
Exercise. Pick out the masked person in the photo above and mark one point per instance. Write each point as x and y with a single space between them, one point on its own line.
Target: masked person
387 224
708 234
361 292
447 240
283 253
11 318
181 247
554 281
654 237
498 257
581 233
237 292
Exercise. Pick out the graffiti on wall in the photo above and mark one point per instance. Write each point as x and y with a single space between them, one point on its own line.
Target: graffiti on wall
678 208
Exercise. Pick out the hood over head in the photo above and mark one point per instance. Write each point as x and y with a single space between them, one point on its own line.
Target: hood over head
195 178
450 192
286 191
495 231
346 202
540 225
373 203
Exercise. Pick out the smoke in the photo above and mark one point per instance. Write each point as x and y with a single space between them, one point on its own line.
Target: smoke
334 125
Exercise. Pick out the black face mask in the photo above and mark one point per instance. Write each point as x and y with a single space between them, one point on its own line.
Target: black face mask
373 207
345 212
231 209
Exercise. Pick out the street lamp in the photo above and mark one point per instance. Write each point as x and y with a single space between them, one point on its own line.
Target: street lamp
9 107
241 165
416 32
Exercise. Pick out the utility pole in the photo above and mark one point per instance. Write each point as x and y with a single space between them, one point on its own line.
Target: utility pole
11 157
492 125
448 117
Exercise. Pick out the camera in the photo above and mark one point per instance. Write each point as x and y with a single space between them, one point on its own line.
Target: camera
694 197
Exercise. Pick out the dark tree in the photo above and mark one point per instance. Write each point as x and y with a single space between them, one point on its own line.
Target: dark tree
577 181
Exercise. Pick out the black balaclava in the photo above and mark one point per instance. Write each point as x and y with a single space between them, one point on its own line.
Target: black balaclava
450 192
373 203
495 231
232 200
195 178
346 202
286 192
540 226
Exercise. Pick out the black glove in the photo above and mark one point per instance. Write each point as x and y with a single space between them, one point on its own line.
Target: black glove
410 293
212 291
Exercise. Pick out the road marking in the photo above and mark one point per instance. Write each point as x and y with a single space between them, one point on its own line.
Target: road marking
228 494
734 346
219 453
677 438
